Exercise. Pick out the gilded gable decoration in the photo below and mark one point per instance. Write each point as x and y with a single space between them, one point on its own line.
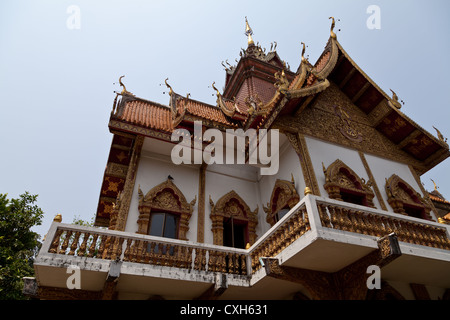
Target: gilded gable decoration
283 194
346 127
402 196
339 179
232 205
166 197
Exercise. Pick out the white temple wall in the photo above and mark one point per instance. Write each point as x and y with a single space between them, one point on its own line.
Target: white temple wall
289 165
321 151
154 169
382 169
221 179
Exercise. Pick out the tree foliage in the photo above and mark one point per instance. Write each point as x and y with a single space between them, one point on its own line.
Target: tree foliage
18 243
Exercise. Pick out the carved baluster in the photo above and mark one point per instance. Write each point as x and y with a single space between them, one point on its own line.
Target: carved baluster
347 221
243 264
281 238
196 258
55 243
92 249
140 250
152 253
324 219
404 225
412 232
133 251
127 253
230 263
301 224
371 224
74 245
146 252
340 218
181 261
434 239
82 249
119 250
418 235
236 263
306 219
113 248
292 228
65 243
101 249
355 226
212 261
203 261
378 225
445 239
110 247
189 257
334 217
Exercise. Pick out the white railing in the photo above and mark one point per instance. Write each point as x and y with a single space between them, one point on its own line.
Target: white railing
312 213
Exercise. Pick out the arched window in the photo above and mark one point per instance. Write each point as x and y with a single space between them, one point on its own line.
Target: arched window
233 223
405 200
164 211
284 197
342 183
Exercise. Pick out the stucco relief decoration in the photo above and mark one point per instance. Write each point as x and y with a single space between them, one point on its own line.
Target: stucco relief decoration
231 204
345 125
165 197
400 193
283 194
339 177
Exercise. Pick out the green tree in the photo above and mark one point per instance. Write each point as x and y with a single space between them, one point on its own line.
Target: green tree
18 244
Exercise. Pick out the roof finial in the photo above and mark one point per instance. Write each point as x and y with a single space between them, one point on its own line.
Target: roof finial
168 86
435 186
248 32
303 51
333 35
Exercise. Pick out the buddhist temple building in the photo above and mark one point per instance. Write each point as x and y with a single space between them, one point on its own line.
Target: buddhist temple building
345 198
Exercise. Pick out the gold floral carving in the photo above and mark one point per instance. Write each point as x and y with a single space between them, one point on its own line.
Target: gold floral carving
231 204
320 120
339 177
400 193
283 194
167 197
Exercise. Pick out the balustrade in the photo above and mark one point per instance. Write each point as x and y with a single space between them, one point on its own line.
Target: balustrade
106 244
358 221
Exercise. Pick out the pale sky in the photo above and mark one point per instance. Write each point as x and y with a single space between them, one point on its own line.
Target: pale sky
56 83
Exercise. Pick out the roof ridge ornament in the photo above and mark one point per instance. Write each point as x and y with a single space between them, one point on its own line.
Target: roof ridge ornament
441 138
333 35
393 102
124 90
168 86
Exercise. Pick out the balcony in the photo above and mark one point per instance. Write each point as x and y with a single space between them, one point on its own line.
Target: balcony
318 234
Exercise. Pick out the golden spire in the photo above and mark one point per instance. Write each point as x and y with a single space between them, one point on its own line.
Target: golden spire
248 32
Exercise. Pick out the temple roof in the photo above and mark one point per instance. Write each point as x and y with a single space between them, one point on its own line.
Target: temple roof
261 87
